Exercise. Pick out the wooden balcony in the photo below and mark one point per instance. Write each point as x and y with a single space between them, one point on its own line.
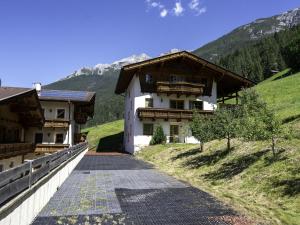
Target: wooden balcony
50 148
15 149
180 88
56 124
166 114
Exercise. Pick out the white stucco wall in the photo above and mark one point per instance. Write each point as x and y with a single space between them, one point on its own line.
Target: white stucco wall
136 100
50 113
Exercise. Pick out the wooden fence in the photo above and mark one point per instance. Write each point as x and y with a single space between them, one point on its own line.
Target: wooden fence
16 180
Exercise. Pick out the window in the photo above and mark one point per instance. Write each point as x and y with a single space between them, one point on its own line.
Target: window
149 102
59 139
1 167
43 111
38 138
176 104
149 79
176 78
60 114
147 129
196 105
11 165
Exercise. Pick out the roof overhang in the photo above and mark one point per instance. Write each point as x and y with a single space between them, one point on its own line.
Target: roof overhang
127 72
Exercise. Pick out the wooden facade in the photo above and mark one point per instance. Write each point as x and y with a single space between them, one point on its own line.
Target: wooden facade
56 124
49 148
15 149
167 114
179 88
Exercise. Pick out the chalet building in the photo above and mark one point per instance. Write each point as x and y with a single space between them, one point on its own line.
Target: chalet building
20 110
64 112
165 91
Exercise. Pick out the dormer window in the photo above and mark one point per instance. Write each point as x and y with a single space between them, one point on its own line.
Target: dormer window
60 114
149 79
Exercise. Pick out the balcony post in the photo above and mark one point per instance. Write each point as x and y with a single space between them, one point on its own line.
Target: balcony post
30 173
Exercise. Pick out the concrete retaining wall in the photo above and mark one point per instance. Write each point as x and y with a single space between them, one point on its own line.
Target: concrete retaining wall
25 207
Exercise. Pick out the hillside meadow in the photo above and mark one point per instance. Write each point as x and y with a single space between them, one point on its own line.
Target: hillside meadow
247 177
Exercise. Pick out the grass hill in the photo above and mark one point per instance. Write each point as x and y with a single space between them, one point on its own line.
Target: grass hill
247 177
106 137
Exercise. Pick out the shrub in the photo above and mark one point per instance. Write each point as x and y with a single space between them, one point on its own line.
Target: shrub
158 137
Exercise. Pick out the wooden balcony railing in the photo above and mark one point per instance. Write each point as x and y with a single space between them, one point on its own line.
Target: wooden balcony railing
180 88
166 114
56 124
49 148
15 149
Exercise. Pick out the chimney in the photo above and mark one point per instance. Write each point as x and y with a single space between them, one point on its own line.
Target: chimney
38 87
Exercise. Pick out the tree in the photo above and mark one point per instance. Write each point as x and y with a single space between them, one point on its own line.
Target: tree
202 128
226 124
274 129
158 137
258 122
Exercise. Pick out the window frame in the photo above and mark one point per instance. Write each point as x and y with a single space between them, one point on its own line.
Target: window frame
150 100
62 140
176 104
38 133
57 114
192 105
145 132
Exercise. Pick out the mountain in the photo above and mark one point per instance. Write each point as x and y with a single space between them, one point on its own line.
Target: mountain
102 69
228 51
247 33
101 79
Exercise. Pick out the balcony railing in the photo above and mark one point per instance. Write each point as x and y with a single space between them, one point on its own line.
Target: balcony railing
166 114
56 123
15 149
180 88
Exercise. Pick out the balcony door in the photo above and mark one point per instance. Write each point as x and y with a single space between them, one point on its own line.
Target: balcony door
176 104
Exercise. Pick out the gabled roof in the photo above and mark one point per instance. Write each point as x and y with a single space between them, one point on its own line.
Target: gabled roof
24 102
67 95
10 92
128 71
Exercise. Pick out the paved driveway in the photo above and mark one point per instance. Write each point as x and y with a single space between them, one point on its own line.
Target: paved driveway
123 190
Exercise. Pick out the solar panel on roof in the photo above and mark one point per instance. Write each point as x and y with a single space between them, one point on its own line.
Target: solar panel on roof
67 95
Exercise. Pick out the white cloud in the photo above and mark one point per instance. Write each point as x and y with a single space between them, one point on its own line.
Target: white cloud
195 6
163 13
156 4
178 9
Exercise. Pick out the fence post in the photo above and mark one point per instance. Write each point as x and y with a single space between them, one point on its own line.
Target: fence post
30 172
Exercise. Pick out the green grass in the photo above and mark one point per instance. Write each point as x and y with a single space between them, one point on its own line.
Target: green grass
107 130
246 177
282 94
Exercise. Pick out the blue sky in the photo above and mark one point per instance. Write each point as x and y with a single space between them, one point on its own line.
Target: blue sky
45 40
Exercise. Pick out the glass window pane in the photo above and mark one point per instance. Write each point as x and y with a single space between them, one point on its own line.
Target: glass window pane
147 129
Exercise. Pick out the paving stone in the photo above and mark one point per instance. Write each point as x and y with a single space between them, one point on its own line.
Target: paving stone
122 190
